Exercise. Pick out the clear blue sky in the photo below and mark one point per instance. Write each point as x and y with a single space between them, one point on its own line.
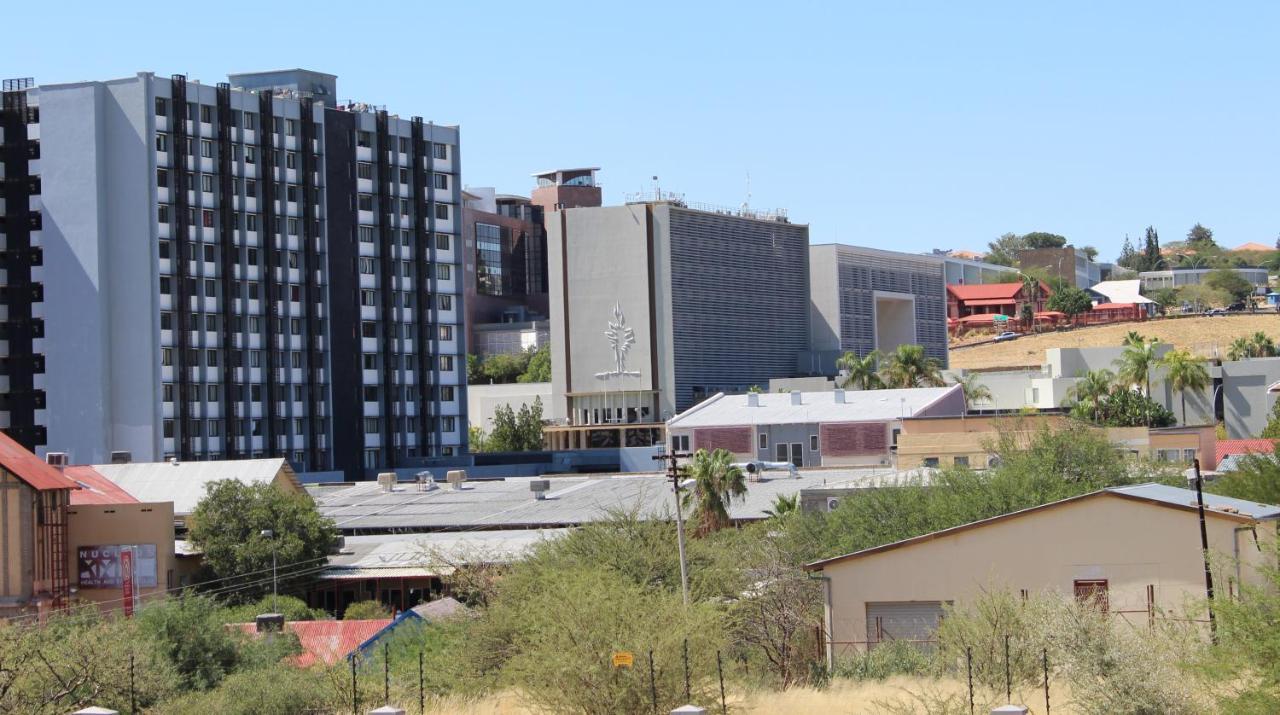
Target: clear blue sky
896 125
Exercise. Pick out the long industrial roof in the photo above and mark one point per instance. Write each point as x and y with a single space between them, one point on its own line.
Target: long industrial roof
364 507
183 483
815 407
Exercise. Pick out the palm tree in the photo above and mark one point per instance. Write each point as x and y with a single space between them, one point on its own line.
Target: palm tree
783 505
1241 348
716 482
1031 295
1133 338
1093 387
862 370
974 391
1262 346
1185 372
1135 363
909 366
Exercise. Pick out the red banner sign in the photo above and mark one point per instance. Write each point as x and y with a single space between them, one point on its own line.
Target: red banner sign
126 572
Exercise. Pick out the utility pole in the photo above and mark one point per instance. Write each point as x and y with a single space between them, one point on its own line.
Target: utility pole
269 534
1204 550
673 473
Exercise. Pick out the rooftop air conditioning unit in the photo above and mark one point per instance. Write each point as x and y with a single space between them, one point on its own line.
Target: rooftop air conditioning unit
540 487
56 459
387 481
426 482
121 457
268 622
832 503
455 478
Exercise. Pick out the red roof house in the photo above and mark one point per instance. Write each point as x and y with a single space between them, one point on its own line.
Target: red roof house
1228 447
327 642
964 300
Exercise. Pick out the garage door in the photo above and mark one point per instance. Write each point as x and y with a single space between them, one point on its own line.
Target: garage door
903 620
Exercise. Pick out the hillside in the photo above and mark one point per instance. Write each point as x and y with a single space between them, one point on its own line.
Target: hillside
1205 336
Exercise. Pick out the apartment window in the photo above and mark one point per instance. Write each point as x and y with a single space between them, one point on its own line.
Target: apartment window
446 363
206 217
162 178
255 324
251 188
162 213
291 193
298 395
206 183
404 176
210 288
291 160
442 241
211 358
211 395
291 127
364 202
371 425
255 359
210 253
251 222
366 234
442 212
166 356
292 227
440 181
166 285
295 359
364 170
165 249
293 259
162 142
446 332
253 290
211 322
295 326
368 298
404 145
168 429
295 293
445 301
440 151
166 391
206 113
446 395
250 154
364 139
405 241
213 428
365 265
250 120
371 458
162 107
368 329
762 442
206 148
166 321
443 271
448 424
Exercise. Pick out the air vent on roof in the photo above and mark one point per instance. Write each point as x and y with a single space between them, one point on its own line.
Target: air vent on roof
540 487
797 398
121 457
387 481
455 478
56 459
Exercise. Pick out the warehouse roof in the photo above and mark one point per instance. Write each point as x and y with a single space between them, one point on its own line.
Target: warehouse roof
429 554
29 468
363 507
777 408
1129 291
183 483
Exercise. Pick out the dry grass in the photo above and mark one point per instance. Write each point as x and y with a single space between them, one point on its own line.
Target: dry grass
892 696
1205 336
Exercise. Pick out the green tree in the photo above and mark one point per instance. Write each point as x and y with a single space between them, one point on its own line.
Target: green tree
1229 282
909 366
1135 363
192 636
1090 252
783 506
1070 300
1185 371
1092 388
861 371
475 369
1200 237
1004 250
516 431
505 369
539 366
1129 258
477 440
1124 407
1166 298
1261 345
716 483
1272 429
227 527
1041 239
366 611
1200 297
1152 258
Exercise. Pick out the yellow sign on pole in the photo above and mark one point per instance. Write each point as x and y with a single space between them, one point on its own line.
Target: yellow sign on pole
623 659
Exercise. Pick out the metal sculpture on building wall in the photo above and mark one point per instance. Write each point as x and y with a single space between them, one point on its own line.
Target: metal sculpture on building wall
621 337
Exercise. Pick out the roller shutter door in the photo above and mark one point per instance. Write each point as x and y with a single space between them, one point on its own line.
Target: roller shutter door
903 620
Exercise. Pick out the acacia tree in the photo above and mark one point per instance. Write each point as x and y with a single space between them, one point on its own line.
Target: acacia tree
1070 300
716 483
861 370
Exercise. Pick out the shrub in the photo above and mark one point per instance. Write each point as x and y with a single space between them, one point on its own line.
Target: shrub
292 607
366 610
888 659
264 691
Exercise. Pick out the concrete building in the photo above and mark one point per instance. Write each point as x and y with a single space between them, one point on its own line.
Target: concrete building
1246 403
1067 263
656 305
810 429
1132 551
968 269
865 299
504 261
972 441
560 189
238 270
1180 277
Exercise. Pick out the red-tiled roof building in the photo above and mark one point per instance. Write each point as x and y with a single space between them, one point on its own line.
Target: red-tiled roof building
992 298
33 532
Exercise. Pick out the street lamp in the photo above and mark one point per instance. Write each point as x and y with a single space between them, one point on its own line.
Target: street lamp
269 534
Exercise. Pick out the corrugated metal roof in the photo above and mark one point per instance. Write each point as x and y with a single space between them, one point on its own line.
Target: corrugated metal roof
327 641
1177 496
352 573
29 468
509 504
1226 447
984 291
776 408
183 483
95 488
1129 291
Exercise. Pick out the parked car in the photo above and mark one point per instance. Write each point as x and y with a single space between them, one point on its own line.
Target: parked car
1006 335
1216 311
1236 307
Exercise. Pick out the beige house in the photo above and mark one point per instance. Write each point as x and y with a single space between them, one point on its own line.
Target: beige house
1135 549
968 440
